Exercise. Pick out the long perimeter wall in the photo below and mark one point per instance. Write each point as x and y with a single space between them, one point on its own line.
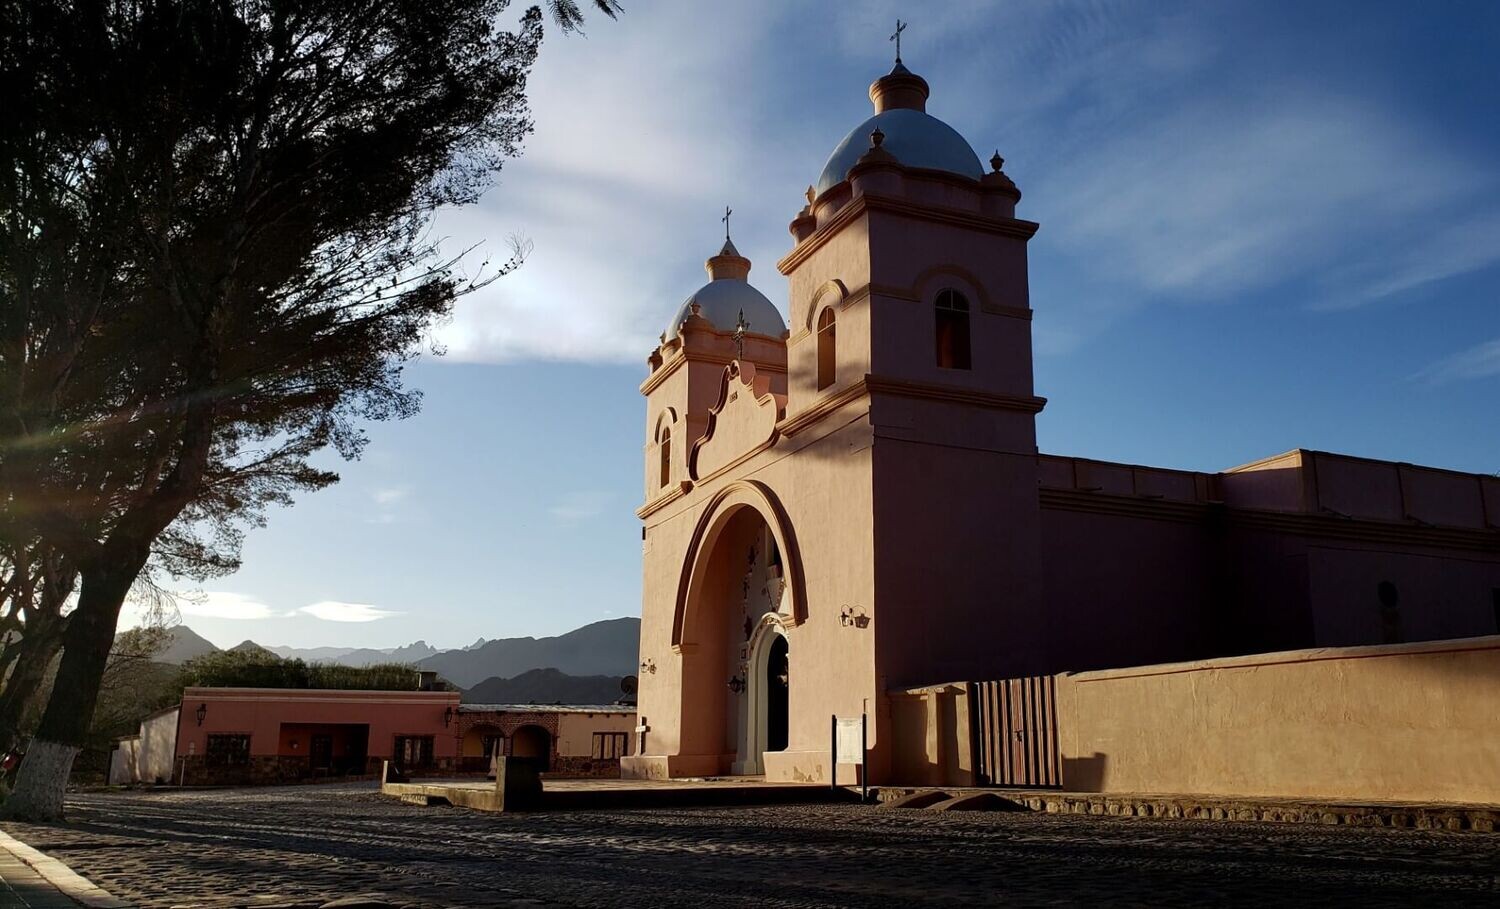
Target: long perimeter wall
1402 722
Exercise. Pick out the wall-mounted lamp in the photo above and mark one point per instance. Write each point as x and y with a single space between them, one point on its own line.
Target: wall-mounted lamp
648 666
201 713
447 717
736 684
854 616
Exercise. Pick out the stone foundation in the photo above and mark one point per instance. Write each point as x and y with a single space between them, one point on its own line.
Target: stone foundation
277 770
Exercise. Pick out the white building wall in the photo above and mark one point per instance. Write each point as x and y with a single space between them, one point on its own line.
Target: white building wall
123 768
158 746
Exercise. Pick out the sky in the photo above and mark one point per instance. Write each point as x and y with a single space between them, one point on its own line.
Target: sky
1265 225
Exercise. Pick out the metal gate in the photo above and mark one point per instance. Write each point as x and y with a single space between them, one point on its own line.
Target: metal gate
1013 732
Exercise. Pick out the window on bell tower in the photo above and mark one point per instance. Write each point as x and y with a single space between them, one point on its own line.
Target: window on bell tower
827 348
952 330
665 446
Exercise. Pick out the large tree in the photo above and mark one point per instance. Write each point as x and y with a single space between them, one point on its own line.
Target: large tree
214 260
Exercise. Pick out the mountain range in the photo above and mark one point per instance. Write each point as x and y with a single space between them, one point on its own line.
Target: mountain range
604 650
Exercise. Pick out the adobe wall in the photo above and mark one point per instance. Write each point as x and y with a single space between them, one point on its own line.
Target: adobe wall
260 713
158 747
575 732
1124 590
123 767
1414 722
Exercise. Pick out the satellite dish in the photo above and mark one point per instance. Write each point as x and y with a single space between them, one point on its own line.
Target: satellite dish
629 684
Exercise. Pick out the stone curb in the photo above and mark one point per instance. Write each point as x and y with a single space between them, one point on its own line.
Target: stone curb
1400 815
71 884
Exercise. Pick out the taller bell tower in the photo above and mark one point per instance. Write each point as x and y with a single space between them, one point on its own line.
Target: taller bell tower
909 298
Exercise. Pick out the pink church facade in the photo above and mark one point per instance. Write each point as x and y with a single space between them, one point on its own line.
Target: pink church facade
852 503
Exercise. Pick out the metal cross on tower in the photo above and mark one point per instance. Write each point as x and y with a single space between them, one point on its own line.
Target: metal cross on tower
740 328
896 37
727 212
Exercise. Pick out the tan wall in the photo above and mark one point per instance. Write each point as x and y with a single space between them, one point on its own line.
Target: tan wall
575 731
930 729
1405 722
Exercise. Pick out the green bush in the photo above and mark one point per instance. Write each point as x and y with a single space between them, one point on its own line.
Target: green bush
263 669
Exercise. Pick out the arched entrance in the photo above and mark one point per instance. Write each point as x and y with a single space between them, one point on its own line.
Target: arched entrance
765 714
481 744
733 641
777 680
532 742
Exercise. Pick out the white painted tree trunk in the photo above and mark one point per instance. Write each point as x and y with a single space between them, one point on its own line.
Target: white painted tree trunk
41 781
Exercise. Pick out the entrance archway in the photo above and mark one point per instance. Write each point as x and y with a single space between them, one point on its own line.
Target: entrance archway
765 717
777 680
532 742
739 601
481 744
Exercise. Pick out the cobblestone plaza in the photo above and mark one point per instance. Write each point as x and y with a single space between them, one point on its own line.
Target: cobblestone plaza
301 846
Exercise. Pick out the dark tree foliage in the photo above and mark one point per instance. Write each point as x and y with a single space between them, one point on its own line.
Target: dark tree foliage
214 260
262 669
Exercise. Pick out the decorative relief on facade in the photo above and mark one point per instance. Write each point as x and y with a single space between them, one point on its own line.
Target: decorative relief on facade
741 423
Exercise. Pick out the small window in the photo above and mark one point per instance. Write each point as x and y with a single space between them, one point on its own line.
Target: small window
952 330
666 456
609 745
227 750
827 348
413 751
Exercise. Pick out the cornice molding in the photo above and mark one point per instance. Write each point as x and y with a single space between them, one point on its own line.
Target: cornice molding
866 202
673 493
1301 524
661 375
822 408
955 393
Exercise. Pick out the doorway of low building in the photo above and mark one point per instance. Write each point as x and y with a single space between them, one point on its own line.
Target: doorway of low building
534 743
320 753
481 744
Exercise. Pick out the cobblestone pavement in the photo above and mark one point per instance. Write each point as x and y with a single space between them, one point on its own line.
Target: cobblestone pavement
301 845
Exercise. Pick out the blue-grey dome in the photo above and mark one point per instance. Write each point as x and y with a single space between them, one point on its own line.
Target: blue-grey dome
721 301
914 137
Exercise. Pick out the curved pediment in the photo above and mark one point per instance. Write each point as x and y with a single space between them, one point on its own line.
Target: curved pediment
742 422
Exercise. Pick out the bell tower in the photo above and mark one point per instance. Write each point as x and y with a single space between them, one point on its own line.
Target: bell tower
909 296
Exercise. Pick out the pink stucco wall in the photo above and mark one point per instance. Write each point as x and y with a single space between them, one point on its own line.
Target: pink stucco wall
261 713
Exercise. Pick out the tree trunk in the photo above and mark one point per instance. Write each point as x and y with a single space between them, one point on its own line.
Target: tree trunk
70 711
35 653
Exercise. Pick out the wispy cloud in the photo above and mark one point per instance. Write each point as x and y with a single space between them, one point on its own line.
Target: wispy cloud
581 505
1481 361
389 495
335 611
1166 161
224 605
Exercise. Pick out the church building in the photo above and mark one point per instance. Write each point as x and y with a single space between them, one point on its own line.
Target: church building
852 502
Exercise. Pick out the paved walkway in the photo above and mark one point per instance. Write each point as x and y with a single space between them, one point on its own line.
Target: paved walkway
30 879
300 846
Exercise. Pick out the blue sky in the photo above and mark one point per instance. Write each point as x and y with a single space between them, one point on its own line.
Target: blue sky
1264 225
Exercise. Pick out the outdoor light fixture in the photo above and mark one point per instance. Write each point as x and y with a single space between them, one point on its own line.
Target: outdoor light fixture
736 684
648 666
854 616
447 717
201 713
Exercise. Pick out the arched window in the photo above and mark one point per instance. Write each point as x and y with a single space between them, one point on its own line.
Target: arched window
952 330
827 348
665 445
